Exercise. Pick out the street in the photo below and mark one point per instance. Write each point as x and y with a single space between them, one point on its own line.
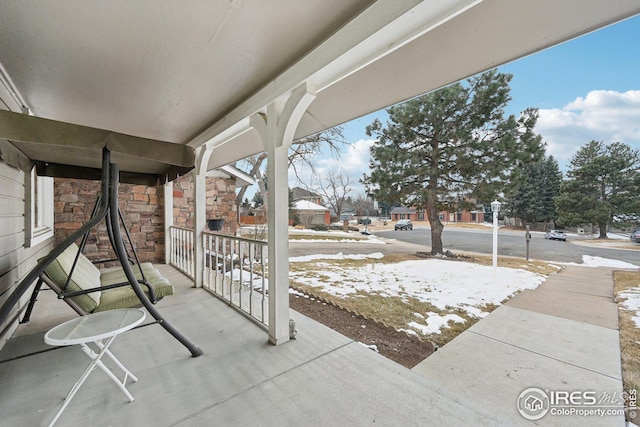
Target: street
513 243
510 243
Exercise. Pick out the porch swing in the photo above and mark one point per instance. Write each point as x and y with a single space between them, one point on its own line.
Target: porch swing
82 285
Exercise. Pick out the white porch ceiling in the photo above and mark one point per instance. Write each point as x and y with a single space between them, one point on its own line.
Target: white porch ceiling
193 72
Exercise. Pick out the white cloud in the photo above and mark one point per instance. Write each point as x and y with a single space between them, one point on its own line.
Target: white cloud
602 115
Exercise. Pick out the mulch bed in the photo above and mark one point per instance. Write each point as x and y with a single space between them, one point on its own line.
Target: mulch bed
397 346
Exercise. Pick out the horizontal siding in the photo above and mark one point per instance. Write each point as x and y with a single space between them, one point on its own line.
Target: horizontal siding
11 181
11 207
11 225
15 260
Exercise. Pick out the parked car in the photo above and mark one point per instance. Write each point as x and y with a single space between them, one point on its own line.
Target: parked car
404 224
556 235
635 236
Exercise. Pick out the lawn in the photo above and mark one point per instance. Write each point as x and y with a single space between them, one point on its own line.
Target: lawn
434 299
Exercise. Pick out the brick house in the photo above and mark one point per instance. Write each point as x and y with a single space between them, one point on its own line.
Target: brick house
468 217
402 212
311 213
445 216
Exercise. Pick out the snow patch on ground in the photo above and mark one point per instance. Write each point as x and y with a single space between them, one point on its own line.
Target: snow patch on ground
594 261
444 284
447 285
631 302
435 322
345 240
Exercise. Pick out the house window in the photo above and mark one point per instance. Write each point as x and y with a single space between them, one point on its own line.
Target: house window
474 216
39 209
420 216
459 216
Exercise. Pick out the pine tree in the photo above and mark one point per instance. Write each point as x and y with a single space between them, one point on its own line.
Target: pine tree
601 184
533 197
453 144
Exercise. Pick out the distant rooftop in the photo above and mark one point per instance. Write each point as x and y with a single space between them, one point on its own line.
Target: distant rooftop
402 209
305 205
300 193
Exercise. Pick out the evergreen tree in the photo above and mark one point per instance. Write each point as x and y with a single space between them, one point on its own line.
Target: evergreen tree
601 184
451 144
532 199
257 199
294 215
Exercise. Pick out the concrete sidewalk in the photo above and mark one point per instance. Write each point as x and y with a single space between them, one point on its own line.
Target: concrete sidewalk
561 337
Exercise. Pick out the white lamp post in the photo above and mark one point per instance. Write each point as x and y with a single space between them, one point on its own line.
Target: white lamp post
495 208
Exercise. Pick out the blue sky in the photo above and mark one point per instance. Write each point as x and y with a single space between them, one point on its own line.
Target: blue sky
585 89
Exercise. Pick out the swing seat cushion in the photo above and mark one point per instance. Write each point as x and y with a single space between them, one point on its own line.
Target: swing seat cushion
125 297
86 276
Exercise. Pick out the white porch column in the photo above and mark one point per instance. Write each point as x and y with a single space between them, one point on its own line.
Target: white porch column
200 211
168 219
277 129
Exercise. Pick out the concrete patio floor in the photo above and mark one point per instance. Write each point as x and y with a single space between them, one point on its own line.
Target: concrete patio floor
561 336
322 378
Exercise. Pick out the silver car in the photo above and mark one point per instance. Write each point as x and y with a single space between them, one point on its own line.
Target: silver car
556 235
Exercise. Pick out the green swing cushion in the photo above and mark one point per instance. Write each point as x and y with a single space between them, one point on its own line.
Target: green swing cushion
87 276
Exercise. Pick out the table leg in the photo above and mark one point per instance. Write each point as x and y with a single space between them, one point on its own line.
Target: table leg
81 380
95 361
127 373
104 349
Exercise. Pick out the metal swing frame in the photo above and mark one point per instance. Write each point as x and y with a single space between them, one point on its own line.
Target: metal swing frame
106 208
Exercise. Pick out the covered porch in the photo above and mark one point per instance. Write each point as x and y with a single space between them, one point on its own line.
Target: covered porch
321 378
170 87
174 87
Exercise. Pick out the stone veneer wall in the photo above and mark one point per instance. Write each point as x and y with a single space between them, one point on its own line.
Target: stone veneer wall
222 208
143 210
141 206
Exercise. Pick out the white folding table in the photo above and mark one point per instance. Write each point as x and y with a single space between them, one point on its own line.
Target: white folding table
96 328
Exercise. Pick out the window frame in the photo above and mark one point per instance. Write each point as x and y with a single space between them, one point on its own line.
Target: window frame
39 209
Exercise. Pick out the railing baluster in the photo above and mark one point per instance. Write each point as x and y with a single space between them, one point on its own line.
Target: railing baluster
220 252
250 249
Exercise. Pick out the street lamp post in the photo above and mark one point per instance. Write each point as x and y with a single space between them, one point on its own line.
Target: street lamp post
495 208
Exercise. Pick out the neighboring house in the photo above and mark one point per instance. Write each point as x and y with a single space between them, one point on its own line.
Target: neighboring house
470 217
402 212
421 215
298 193
311 213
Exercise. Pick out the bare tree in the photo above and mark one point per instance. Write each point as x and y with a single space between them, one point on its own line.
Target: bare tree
334 187
302 152
363 204
255 163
